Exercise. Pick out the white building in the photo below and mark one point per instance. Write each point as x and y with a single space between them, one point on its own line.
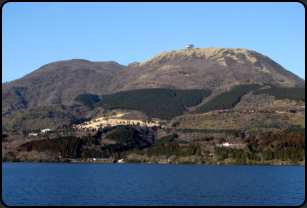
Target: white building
110 159
46 130
227 144
33 134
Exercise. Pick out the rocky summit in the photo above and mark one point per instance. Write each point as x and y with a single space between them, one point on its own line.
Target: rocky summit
203 68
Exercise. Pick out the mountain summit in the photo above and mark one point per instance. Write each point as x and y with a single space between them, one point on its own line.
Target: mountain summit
204 68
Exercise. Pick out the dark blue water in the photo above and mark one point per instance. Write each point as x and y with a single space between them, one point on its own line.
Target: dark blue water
151 184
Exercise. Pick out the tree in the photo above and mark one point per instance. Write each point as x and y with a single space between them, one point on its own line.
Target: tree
24 132
197 153
268 155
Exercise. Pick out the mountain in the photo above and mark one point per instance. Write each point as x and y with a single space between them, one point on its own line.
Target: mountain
182 105
203 68
215 69
58 83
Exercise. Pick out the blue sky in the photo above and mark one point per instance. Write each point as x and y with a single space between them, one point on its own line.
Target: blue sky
35 34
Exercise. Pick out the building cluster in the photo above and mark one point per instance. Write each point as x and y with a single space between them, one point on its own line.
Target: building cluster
42 131
110 159
227 144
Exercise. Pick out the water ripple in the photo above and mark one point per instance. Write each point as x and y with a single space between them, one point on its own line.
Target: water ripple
57 184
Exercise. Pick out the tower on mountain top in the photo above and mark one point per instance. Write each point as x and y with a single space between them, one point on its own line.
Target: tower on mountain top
189 46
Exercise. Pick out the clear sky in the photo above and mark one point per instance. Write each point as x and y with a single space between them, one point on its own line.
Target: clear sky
35 34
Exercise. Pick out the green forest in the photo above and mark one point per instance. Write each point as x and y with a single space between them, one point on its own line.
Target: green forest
271 146
235 133
166 139
87 99
127 138
128 135
172 148
155 103
297 94
131 139
227 100
69 146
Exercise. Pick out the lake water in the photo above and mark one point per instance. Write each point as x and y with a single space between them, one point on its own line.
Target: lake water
91 184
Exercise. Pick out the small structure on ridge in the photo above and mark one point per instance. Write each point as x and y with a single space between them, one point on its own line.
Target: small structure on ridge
189 46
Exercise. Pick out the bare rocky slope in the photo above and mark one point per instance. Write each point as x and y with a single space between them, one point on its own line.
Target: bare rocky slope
214 68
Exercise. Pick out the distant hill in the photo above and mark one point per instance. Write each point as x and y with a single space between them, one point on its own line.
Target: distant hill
58 83
45 117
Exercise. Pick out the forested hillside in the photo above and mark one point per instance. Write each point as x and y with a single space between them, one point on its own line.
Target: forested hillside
68 146
87 99
297 94
156 103
227 100
271 146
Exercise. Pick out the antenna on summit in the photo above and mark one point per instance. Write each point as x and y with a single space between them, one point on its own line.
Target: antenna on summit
189 46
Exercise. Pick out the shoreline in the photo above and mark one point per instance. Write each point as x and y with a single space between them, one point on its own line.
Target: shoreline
302 163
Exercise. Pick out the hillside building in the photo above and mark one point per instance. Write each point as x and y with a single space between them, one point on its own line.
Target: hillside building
109 160
120 161
227 144
46 130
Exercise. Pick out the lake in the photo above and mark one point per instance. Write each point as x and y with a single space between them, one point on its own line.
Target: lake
103 184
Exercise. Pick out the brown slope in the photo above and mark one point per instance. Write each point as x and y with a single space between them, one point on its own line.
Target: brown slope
202 68
58 82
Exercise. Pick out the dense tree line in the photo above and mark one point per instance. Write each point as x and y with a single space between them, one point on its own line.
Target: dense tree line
118 148
81 120
190 97
236 133
239 155
296 140
227 100
93 154
129 136
282 146
294 129
297 94
157 103
104 131
87 99
166 139
269 146
171 148
67 146
279 146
